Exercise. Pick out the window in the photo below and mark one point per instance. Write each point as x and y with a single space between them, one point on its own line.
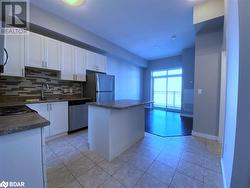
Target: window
167 88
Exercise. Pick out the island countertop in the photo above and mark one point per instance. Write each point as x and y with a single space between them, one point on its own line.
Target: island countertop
17 123
120 104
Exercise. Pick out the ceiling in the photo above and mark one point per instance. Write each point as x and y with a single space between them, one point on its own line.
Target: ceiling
143 27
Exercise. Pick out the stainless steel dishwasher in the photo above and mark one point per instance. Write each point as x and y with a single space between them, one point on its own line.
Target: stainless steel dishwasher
78 115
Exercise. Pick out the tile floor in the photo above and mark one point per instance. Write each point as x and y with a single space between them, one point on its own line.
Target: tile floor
180 162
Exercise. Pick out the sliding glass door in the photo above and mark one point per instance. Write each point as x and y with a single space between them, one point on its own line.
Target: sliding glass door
167 88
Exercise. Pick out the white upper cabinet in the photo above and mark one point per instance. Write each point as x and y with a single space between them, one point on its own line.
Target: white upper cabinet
14 45
42 52
68 58
96 62
52 54
34 45
80 64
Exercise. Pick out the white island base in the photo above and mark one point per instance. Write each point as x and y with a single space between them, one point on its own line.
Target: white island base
111 131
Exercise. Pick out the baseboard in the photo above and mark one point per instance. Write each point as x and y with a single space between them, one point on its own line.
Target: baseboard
223 174
203 135
56 136
186 115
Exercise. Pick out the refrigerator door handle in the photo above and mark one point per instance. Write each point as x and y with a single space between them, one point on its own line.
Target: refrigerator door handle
97 83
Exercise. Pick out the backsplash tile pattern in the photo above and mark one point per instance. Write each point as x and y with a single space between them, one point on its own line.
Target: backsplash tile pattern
32 83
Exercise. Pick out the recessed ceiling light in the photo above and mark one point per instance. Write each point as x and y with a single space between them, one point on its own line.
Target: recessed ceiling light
74 2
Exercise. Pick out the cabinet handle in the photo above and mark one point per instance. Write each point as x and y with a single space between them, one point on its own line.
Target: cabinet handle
23 73
50 107
76 76
47 107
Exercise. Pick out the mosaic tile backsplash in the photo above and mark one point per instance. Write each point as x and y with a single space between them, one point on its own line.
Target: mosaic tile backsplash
32 83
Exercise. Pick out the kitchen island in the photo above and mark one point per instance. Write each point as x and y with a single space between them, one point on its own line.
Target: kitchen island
113 127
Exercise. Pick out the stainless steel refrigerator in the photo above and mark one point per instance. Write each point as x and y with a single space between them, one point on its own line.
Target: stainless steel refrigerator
100 87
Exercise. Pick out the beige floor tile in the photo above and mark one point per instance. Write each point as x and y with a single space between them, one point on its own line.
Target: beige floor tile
182 181
213 179
93 156
140 162
63 149
74 184
168 159
128 176
59 178
112 183
126 156
49 154
148 181
148 152
54 164
94 178
161 171
71 156
213 163
80 166
193 158
191 170
112 166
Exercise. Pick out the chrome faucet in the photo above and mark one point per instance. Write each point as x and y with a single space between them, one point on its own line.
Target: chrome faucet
45 86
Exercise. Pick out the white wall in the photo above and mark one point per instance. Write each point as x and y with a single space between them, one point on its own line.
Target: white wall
128 79
236 164
232 47
208 49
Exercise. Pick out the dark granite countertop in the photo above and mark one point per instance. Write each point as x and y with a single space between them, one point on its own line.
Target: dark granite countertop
20 103
17 123
120 104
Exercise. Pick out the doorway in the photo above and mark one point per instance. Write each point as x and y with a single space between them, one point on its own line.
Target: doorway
167 89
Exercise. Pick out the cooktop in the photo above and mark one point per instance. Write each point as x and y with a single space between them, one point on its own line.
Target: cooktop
15 110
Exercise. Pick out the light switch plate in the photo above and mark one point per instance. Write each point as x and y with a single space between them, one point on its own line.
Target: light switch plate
200 91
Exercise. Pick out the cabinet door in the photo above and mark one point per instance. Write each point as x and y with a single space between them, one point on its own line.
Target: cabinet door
80 64
59 118
52 54
43 110
90 61
67 70
34 45
101 63
14 45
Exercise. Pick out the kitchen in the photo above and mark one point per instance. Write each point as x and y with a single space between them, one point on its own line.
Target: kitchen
77 81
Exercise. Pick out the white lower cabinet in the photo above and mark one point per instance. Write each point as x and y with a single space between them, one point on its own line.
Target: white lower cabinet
56 113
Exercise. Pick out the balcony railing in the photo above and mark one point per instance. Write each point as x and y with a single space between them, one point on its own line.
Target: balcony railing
167 99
